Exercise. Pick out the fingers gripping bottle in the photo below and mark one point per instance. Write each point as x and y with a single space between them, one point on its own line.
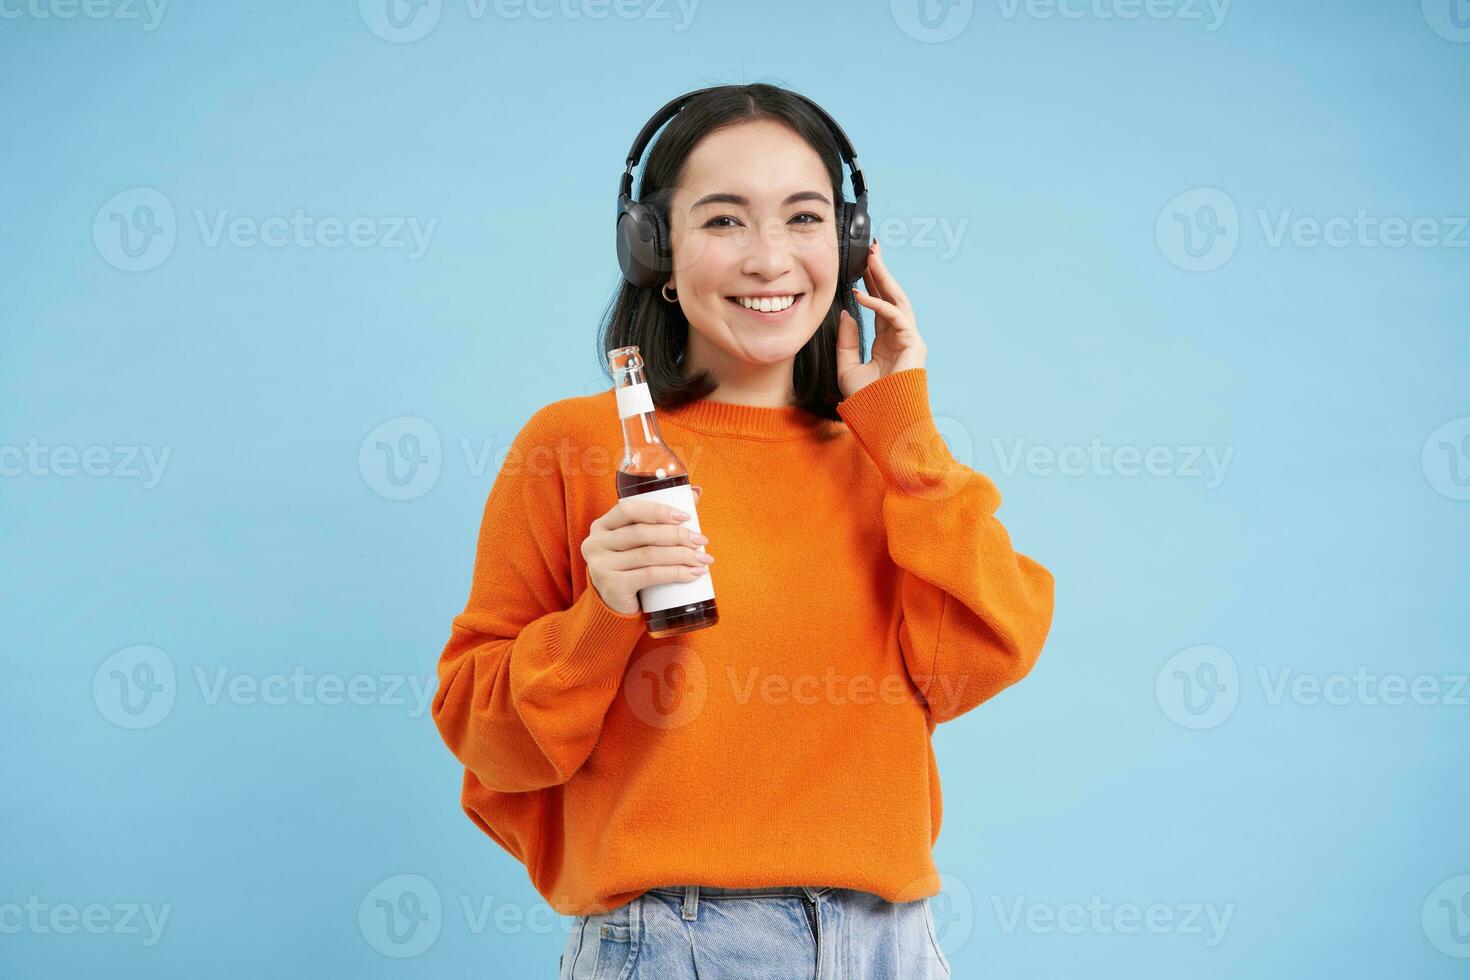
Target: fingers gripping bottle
650 469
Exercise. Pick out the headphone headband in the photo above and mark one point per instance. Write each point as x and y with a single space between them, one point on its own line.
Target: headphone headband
644 249
672 108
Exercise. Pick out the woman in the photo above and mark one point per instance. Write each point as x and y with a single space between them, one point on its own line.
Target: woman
757 799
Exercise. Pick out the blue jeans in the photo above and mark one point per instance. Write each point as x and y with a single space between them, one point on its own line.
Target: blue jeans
788 933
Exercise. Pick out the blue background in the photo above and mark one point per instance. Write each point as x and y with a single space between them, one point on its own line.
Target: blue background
1335 540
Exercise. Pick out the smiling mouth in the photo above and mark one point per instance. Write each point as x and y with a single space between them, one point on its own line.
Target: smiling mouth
767 307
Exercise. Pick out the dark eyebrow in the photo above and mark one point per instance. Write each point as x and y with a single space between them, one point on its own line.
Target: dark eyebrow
745 202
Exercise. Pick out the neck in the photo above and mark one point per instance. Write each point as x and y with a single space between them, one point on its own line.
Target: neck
740 382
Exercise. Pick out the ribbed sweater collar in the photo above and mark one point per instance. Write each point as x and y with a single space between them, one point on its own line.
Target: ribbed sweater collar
744 421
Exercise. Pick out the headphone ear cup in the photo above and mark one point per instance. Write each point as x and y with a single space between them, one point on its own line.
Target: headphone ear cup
844 218
642 245
661 254
859 237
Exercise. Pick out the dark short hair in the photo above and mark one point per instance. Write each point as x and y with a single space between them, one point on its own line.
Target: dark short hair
639 315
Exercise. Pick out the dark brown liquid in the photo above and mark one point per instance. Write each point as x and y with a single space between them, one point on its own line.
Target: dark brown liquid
675 619
632 483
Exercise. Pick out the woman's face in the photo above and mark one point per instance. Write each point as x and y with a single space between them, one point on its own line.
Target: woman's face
753 220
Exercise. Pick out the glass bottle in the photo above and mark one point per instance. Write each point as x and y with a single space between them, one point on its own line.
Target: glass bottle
651 469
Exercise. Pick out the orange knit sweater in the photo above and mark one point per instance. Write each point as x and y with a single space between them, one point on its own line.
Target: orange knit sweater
866 593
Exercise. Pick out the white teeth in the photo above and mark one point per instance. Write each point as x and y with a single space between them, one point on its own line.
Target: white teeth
766 304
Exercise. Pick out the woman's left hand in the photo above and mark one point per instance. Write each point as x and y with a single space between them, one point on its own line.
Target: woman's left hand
897 345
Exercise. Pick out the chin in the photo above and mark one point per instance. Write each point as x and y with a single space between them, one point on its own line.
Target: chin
771 349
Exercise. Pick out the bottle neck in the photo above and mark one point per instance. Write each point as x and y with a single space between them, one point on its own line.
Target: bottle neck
635 408
641 430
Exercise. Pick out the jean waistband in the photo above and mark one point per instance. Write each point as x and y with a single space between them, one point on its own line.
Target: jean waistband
740 891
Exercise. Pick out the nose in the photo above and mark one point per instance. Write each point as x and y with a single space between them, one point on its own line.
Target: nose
768 252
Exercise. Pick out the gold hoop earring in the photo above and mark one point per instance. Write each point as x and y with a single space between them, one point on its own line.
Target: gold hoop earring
664 292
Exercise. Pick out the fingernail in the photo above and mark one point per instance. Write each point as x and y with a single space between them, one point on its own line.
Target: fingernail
679 515
700 539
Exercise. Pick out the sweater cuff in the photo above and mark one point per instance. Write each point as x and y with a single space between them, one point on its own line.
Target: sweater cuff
891 419
594 641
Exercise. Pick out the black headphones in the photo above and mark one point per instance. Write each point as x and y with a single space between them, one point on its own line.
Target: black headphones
643 237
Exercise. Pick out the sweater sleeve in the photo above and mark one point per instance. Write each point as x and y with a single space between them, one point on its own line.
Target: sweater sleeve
529 671
975 613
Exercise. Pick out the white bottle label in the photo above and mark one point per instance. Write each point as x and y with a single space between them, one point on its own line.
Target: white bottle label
633 400
667 595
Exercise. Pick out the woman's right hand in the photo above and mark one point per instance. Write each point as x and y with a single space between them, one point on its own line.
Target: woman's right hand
639 543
